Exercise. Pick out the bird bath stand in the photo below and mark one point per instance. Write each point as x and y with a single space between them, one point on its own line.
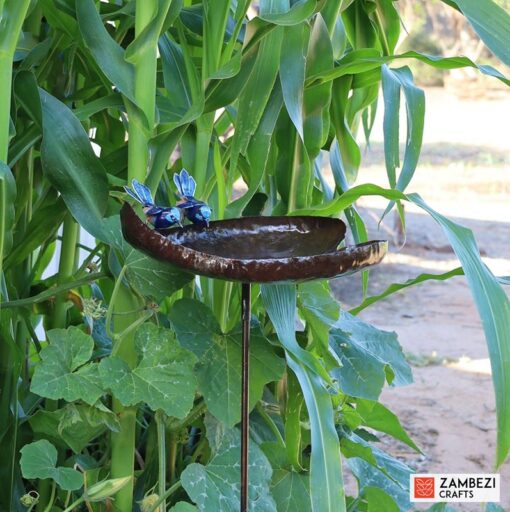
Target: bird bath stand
254 250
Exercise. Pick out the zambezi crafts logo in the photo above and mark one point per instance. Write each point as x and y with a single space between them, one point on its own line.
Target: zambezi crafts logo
424 487
456 488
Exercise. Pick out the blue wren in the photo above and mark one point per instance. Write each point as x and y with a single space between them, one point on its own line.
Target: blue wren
160 217
196 211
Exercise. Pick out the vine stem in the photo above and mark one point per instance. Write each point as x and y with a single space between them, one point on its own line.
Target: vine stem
115 292
165 496
161 429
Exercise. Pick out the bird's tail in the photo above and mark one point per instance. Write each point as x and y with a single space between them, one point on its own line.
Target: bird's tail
185 184
140 193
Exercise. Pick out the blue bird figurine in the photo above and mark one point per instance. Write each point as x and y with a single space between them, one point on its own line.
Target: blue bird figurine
160 217
196 211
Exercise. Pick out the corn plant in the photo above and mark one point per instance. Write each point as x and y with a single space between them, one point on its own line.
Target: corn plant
119 375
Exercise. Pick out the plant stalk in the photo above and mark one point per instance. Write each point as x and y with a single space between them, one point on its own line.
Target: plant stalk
160 425
12 14
66 267
141 124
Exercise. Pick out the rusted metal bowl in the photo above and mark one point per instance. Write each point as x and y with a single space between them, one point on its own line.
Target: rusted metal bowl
255 249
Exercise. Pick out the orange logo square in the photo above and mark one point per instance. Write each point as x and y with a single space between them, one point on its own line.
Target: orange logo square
424 487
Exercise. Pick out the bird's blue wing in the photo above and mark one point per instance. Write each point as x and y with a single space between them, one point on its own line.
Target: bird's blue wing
190 203
156 210
186 185
133 194
143 192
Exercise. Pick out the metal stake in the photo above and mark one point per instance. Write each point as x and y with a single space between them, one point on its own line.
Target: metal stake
245 416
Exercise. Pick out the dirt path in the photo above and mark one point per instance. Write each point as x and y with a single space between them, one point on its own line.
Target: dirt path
465 174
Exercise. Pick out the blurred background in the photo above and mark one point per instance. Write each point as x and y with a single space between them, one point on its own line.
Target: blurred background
464 173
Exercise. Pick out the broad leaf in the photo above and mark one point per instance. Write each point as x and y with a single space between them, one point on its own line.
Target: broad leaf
282 299
369 357
149 277
74 426
39 459
182 506
71 165
494 309
63 371
375 415
290 489
7 199
254 97
395 287
348 198
491 22
325 467
179 106
216 486
378 500
292 72
390 475
219 367
280 13
163 378
258 152
42 227
108 55
395 80
318 308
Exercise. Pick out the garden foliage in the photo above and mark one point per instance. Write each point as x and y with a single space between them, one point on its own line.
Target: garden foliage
119 375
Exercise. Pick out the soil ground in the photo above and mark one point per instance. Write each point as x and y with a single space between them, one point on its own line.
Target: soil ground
465 174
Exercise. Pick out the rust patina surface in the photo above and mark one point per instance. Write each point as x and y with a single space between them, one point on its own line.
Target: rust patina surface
255 249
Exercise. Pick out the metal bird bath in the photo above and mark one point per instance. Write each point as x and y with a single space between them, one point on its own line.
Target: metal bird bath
254 250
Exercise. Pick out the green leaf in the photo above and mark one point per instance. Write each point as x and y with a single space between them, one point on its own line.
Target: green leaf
317 98
108 55
215 23
219 367
42 227
284 297
292 72
280 13
154 278
258 152
39 459
318 308
180 82
163 378
395 287
491 22
325 468
369 357
63 371
149 277
393 81
366 59
375 415
145 41
182 506
27 95
494 309
74 426
7 201
388 474
378 500
290 489
255 96
491 507
71 165
216 486
348 198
